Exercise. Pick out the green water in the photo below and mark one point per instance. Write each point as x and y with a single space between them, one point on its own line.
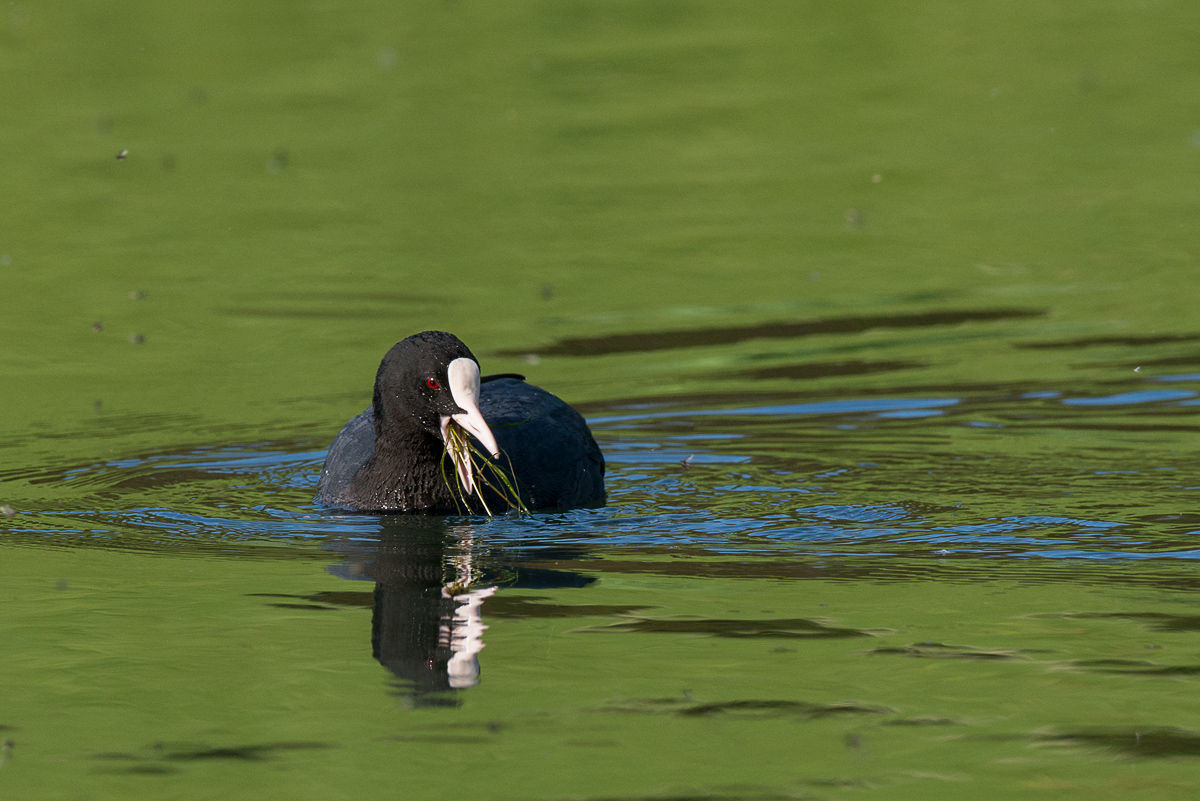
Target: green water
883 315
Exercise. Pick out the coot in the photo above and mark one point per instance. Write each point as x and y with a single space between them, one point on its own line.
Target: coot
390 457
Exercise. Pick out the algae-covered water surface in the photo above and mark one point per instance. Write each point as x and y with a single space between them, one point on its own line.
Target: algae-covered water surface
882 314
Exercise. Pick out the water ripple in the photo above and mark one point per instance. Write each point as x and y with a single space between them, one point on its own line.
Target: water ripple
736 480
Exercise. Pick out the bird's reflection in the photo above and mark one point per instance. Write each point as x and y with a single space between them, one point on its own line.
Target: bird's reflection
426 627
432 578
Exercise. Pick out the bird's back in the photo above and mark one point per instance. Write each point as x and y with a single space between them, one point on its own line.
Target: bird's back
350 450
554 457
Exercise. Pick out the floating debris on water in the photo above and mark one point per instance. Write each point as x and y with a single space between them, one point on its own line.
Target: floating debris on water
8 511
387 58
279 161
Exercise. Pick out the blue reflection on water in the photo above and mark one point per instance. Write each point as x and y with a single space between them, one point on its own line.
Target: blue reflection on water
654 500
905 414
789 409
1142 396
1179 377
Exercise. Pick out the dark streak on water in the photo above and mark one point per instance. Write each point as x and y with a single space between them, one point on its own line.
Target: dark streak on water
1148 742
1132 341
746 708
1155 621
698 337
937 650
799 629
188 753
815 370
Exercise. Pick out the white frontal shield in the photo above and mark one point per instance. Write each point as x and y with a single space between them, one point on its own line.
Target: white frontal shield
463 376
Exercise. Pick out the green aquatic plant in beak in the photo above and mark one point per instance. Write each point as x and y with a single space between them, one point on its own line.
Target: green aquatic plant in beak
473 471
472 468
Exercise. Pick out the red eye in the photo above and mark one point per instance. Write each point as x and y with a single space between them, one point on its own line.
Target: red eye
432 383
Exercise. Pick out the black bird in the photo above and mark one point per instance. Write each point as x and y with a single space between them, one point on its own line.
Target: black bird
390 457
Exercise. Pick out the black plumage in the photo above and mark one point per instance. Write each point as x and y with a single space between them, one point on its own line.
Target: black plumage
392 458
